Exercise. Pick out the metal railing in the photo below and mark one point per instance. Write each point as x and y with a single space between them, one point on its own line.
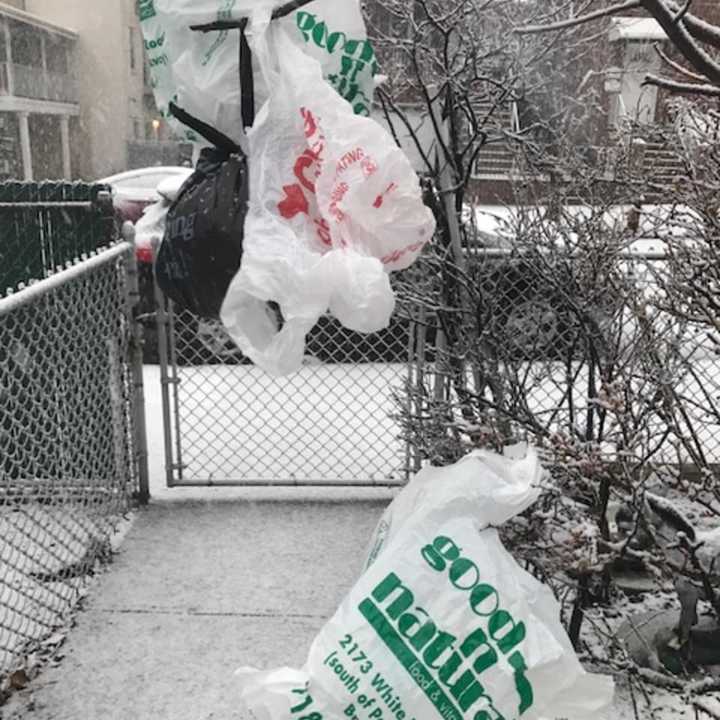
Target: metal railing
45 226
331 423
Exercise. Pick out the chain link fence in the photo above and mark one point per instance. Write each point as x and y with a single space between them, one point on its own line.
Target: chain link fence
44 226
72 456
586 355
333 422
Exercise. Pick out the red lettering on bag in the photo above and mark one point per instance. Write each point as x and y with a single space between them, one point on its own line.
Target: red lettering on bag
310 122
368 167
323 231
380 199
348 159
397 254
307 169
294 202
336 196
305 161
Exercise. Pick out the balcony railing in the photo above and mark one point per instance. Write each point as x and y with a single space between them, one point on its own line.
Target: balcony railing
36 84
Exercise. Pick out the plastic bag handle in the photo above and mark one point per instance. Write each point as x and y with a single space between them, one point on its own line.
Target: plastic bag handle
211 134
247 81
277 13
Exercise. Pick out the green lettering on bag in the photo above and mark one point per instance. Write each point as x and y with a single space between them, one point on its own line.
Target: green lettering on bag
146 9
414 667
158 42
225 12
357 60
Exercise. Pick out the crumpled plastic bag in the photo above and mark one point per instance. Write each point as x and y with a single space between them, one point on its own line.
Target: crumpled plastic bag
510 488
443 624
199 71
334 207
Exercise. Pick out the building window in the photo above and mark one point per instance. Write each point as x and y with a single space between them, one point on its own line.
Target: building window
133 58
137 129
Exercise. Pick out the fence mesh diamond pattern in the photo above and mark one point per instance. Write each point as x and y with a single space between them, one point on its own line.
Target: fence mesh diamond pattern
67 450
330 423
590 357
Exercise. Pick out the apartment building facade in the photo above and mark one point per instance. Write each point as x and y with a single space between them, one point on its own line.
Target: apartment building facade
72 90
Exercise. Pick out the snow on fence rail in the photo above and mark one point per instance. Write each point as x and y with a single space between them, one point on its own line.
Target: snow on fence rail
70 461
46 226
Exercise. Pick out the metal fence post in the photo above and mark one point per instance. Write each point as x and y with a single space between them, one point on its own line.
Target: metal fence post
136 362
164 332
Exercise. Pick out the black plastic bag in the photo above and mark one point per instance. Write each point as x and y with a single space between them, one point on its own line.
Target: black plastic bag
202 247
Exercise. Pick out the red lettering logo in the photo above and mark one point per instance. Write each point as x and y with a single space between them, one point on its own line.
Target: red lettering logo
380 199
293 203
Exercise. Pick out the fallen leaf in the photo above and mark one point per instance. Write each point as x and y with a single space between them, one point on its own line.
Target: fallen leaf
19 680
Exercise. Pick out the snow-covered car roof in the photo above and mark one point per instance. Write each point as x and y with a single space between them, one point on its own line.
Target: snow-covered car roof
142 184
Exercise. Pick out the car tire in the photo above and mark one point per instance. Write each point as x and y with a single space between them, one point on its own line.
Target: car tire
523 317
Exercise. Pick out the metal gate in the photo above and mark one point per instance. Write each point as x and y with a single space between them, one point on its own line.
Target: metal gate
227 422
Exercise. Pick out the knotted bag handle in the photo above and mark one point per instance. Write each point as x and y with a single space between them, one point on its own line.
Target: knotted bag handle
247 82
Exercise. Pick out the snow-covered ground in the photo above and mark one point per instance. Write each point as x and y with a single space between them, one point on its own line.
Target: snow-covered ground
335 423
546 389
324 424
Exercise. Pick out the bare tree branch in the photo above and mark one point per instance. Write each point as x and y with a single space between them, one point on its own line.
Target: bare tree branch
700 29
684 30
681 87
677 67
683 40
574 22
683 11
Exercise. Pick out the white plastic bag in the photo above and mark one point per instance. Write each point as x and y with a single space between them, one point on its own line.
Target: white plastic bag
199 71
444 625
493 497
334 207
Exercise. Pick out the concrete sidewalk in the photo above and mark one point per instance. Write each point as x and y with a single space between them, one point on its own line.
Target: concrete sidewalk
198 589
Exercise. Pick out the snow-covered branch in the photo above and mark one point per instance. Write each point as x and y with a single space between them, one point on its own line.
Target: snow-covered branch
683 40
677 67
581 20
682 87
685 31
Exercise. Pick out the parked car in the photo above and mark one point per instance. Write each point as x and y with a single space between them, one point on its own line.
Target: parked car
533 299
133 193
135 190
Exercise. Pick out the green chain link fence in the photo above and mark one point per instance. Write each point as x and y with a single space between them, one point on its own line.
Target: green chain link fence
44 226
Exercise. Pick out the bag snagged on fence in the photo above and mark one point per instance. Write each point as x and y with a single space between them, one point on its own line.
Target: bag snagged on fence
334 207
444 624
204 229
198 71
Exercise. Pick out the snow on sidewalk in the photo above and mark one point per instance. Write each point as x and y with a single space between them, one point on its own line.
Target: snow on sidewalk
197 590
